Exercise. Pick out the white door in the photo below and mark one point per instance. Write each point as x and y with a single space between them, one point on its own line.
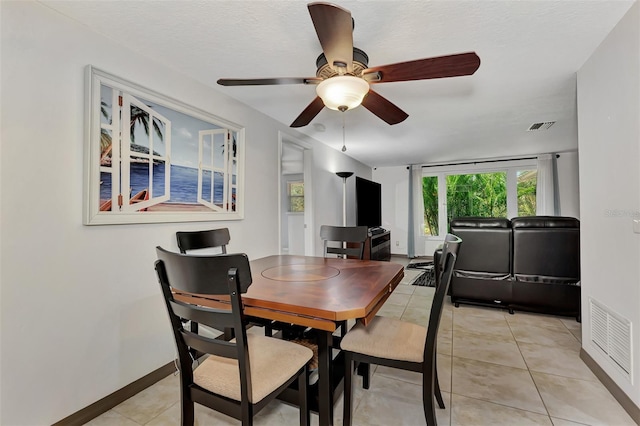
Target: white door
296 229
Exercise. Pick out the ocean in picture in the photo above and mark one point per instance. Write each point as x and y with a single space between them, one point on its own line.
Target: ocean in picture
184 183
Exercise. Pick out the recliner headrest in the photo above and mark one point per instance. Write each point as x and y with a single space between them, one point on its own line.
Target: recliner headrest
545 222
480 222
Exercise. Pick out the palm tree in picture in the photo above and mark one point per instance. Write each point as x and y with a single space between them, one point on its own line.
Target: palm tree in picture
138 115
105 137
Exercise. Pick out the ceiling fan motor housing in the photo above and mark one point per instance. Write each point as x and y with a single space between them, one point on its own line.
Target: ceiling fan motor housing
360 63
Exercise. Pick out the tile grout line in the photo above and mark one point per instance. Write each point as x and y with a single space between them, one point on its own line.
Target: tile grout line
160 414
544 404
453 320
509 406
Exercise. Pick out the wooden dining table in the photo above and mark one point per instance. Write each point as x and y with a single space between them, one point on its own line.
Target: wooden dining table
319 293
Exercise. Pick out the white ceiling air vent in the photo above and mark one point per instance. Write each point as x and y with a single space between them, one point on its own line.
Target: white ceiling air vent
612 334
540 126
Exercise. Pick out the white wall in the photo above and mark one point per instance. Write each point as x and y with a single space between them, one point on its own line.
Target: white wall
609 141
81 311
568 184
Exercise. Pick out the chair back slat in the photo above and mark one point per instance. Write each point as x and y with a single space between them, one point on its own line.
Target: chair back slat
204 344
342 236
349 251
196 240
214 318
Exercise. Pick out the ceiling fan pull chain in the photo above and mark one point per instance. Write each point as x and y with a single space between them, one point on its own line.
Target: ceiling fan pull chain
344 147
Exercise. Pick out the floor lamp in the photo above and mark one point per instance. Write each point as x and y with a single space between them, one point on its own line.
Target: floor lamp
344 176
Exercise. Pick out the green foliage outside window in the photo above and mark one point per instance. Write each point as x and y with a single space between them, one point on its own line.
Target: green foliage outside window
481 194
430 199
527 182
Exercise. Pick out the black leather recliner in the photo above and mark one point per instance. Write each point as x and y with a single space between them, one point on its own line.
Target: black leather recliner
546 264
483 267
527 263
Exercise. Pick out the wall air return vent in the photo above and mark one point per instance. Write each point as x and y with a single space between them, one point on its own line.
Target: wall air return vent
540 126
612 335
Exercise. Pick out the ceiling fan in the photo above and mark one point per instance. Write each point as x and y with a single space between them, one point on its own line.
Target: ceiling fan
343 76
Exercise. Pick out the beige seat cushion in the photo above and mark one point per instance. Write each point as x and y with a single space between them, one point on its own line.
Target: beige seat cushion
387 338
273 361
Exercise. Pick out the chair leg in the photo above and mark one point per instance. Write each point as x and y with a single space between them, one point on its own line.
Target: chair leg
229 333
437 392
194 329
348 390
188 417
364 370
305 416
246 414
429 407
430 386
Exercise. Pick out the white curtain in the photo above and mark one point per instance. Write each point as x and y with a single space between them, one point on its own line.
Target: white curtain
546 189
415 237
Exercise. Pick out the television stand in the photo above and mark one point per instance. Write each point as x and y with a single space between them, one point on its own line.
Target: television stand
378 246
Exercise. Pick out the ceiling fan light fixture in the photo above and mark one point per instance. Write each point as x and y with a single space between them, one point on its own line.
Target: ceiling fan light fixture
342 91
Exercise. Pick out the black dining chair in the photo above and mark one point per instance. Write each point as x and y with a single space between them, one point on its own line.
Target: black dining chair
399 344
238 377
201 240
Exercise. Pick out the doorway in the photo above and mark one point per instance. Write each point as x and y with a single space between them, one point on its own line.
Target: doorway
295 193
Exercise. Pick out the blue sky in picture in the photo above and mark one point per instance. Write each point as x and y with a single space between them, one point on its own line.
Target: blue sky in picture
184 133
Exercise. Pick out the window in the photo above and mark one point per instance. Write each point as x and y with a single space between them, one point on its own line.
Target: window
295 191
527 183
485 190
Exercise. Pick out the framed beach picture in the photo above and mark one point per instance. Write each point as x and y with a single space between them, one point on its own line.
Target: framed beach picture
150 158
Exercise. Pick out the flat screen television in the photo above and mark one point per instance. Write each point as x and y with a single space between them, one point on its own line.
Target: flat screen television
368 203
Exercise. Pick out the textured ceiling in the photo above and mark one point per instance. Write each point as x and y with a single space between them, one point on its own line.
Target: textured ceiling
529 51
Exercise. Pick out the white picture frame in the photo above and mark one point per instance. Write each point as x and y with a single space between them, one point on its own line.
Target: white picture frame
151 159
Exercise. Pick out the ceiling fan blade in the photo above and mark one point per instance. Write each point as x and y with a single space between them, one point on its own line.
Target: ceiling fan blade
383 108
267 81
309 113
334 27
423 69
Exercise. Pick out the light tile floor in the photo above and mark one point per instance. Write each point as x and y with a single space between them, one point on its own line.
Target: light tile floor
494 369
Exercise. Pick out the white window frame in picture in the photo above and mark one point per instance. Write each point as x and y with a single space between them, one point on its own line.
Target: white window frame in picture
166 151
